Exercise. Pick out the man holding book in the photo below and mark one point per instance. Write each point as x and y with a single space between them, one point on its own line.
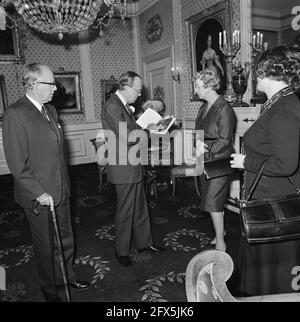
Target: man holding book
132 217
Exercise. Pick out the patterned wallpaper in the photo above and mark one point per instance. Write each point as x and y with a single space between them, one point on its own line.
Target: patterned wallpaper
46 50
111 55
190 8
13 81
164 9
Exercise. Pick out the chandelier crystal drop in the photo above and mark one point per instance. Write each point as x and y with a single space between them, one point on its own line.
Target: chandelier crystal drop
58 16
67 16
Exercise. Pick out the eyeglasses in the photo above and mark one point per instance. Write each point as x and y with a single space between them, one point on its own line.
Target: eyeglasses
259 73
47 83
139 92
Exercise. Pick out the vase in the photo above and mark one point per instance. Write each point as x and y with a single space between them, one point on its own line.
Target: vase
239 85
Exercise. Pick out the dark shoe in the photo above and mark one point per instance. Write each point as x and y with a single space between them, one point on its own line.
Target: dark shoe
151 249
124 260
79 285
51 297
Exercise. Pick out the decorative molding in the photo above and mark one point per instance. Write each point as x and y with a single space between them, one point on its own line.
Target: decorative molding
87 81
145 6
154 29
137 44
245 16
177 56
77 141
163 53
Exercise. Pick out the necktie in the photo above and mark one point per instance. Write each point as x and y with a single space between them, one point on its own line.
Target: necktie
128 109
205 111
44 112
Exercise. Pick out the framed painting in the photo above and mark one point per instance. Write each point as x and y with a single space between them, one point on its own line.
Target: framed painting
3 97
203 45
11 48
108 87
67 99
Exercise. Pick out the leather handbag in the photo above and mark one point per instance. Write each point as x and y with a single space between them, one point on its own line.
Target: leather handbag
217 167
271 219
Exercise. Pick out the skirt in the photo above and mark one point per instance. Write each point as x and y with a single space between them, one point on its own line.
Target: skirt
214 193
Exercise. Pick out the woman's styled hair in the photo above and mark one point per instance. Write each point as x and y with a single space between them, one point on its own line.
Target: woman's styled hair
127 79
280 63
209 78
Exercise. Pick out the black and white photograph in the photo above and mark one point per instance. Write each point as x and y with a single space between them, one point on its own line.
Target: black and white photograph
149 154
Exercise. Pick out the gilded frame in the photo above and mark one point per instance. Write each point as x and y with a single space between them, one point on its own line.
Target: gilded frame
3 97
216 16
11 45
68 98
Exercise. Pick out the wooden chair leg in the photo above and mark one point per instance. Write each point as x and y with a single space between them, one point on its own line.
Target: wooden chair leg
173 185
196 186
100 179
155 188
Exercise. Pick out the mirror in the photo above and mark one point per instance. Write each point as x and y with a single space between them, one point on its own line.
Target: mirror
279 22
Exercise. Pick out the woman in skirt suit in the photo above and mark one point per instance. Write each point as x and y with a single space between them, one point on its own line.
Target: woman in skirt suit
217 119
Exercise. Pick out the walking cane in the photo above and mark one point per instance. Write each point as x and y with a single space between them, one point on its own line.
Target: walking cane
60 251
61 256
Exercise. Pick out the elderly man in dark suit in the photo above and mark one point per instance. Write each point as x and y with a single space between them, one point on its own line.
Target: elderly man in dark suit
33 146
132 217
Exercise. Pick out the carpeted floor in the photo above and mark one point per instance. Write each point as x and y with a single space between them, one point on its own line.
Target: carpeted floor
177 224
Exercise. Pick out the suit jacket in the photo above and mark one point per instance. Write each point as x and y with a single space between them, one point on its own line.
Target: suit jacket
219 126
274 137
33 149
112 114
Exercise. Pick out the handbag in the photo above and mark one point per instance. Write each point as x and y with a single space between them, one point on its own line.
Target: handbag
217 167
270 219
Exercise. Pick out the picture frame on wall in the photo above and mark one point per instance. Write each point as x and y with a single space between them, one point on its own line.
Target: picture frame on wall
68 97
108 87
203 44
11 46
3 97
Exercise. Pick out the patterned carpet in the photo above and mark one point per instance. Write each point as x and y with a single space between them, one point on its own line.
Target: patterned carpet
177 224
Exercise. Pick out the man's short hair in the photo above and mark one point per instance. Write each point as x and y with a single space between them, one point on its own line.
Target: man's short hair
31 73
127 79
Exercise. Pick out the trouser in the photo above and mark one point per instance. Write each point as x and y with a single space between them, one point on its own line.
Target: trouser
132 218
45 244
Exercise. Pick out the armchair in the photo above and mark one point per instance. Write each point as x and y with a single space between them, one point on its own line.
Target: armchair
102 169
194 168
206 277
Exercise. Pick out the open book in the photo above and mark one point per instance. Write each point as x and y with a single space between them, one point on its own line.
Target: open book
152 117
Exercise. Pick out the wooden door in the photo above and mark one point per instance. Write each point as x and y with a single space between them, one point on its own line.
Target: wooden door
158 82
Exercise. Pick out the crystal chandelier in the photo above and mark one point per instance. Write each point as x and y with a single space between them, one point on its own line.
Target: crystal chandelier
68 16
